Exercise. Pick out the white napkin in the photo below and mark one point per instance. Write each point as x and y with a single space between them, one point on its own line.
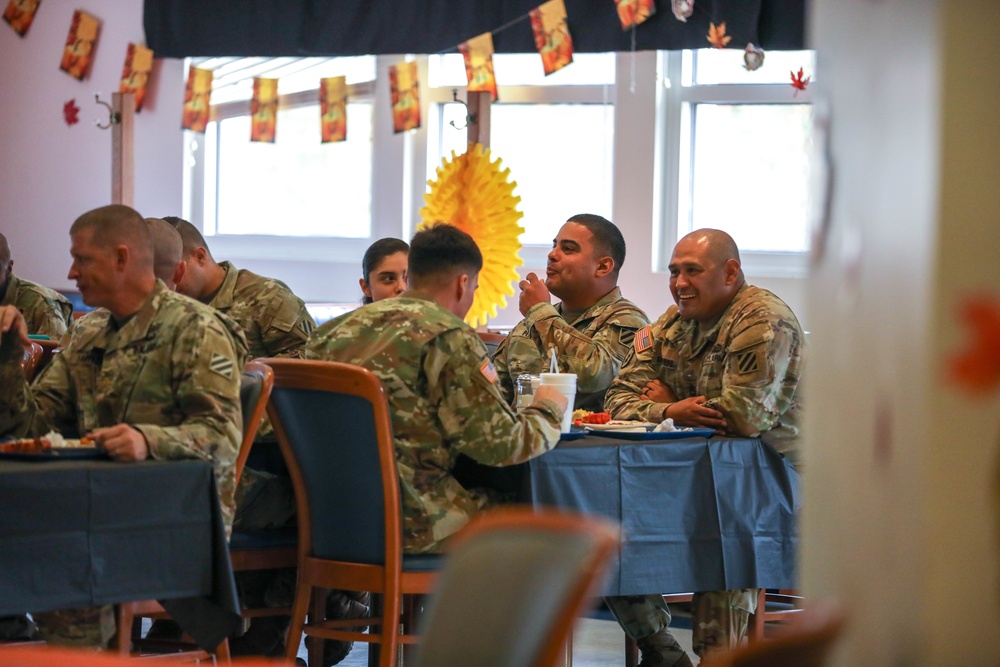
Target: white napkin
665 426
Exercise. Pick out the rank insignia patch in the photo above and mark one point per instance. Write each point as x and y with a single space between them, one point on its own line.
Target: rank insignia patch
488 371
643 339
747 362
221 365
626 336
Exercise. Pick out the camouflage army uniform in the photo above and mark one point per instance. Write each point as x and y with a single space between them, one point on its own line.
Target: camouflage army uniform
276 324
444 400
172 371
46 312
748 366
593 346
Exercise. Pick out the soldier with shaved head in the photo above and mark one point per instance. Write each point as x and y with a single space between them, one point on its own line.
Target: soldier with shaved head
150 374
45 311
727 356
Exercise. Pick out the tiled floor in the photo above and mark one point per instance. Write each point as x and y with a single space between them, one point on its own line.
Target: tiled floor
596 643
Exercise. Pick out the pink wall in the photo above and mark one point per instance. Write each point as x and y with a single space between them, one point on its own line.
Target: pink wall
51 172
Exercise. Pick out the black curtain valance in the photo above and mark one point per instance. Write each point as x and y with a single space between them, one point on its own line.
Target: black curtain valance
183 28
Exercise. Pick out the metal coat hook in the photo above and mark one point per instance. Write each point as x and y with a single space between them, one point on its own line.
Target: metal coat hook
470 118
113 116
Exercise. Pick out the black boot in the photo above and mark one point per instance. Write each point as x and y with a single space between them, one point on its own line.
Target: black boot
660 649
343 604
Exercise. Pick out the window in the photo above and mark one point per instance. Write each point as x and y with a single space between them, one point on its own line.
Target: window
554 133
297 187
735 153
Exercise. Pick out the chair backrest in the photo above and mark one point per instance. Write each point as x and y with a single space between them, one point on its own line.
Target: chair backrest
255 390
806 641
32 357
490 340
332 423
513 583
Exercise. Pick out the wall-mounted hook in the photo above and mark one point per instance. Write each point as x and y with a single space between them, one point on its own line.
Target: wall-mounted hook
113 116
470 118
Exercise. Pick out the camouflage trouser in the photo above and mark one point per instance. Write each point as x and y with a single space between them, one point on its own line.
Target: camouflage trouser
719 619
639 615
87 626
264 500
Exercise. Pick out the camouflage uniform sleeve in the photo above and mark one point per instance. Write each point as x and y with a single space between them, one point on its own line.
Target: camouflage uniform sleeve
754 395
474 418
624 399
49 404
595 360
505 383
45 317
206 376
286 331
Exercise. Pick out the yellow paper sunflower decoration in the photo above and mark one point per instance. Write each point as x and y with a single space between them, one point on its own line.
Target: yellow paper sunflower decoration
473 194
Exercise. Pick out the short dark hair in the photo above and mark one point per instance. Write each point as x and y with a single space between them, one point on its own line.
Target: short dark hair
190 235
608 239
442 249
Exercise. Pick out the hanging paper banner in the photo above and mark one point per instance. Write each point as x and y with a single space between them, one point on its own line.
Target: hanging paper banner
197 96
405 89
135 73
634 12
478 54
80 43
20 13
264 110
333 108
548 22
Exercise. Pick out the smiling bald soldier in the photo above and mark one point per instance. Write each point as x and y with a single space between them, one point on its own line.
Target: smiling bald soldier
727 356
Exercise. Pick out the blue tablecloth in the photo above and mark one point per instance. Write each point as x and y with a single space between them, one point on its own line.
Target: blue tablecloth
697 514
95 532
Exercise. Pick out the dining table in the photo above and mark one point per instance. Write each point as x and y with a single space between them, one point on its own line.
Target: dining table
80 532
697 512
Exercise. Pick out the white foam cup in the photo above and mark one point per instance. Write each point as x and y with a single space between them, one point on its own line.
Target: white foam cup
566 384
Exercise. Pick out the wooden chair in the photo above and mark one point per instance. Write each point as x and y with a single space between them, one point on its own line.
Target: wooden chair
491 340
247 552
781 607
32 357
20 655
513 584
806 642
332 423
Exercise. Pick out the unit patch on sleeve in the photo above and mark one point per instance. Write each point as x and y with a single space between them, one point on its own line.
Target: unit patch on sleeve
488 371
221 365
644 339
746 362
626 336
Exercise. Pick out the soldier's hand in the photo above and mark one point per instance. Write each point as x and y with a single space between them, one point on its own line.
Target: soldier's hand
553 394
657 392
12 326
693 412
122 442
533 291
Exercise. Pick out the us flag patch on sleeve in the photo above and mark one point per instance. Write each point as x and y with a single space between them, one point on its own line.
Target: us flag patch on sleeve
644 339
221 365
488 371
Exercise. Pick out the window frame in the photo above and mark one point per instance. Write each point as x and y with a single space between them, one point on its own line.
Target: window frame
675 159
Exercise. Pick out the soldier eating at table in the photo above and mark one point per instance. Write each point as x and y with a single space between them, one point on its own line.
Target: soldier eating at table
591 328
727 356
151 375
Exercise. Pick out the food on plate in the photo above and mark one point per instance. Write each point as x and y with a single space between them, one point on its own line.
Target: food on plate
43 444
581 417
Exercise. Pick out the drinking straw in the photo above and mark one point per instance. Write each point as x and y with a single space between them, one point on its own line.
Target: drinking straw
553 367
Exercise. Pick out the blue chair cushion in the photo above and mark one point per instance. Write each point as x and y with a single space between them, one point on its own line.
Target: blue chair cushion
264 539
422 562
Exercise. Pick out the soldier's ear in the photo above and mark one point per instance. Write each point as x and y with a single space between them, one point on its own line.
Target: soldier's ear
732 271
605 265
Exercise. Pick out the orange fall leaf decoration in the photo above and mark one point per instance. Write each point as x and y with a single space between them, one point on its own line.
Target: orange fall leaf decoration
977 366
717 36
798 83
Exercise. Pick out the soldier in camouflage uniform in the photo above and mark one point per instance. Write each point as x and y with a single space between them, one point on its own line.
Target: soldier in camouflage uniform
591 329
276 324
152 374
728 356
45 311
441 387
